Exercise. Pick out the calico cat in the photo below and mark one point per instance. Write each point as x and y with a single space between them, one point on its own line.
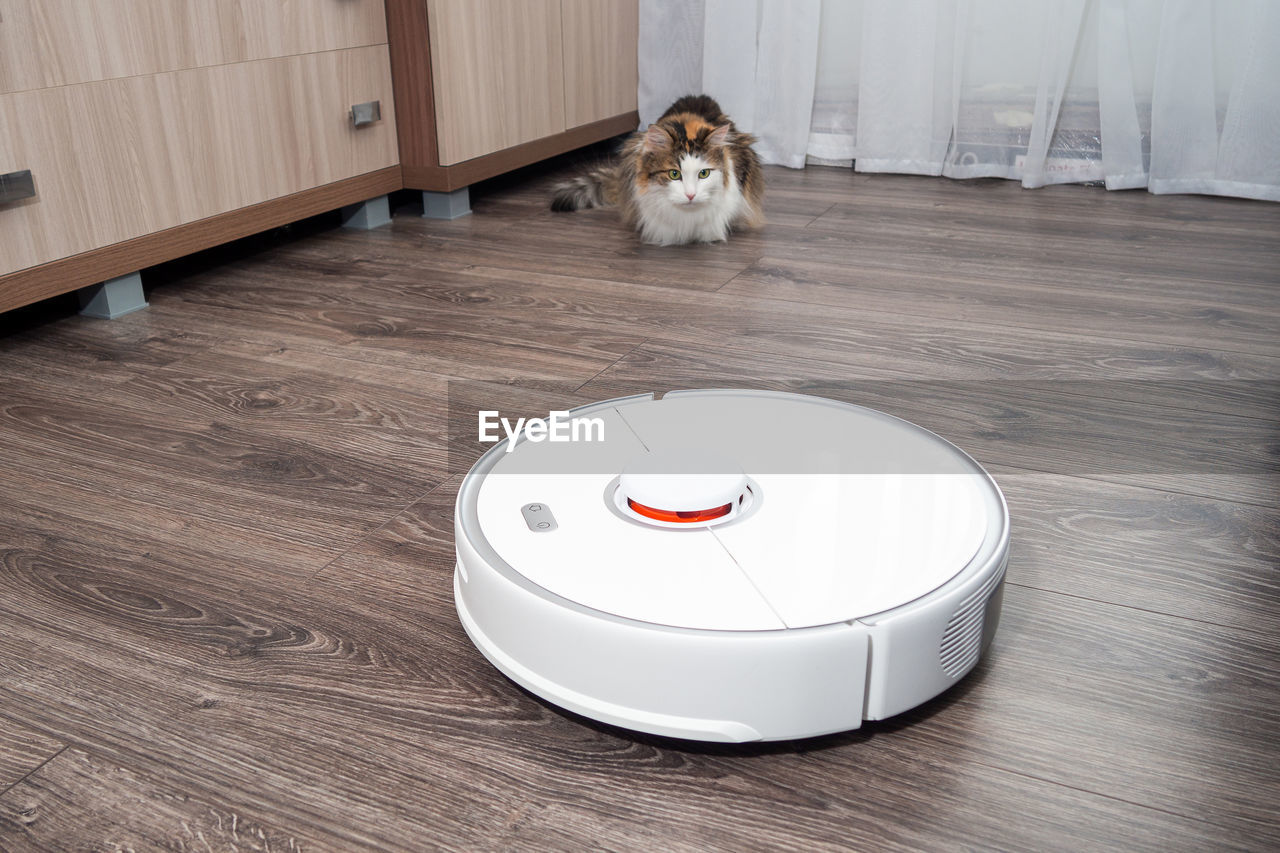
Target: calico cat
690 177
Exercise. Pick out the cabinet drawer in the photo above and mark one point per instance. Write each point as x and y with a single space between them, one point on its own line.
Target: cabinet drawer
61 42
121 158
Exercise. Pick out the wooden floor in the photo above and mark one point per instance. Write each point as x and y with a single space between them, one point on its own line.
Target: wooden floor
226 614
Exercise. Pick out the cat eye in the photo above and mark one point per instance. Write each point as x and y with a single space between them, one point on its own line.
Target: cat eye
705 173
674 174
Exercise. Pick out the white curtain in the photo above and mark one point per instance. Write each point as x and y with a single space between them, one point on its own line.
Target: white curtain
1174 95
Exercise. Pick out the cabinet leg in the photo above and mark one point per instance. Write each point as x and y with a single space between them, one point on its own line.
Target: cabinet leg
366 215
446 205
114 298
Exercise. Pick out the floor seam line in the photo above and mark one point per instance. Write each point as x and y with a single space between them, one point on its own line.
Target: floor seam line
375 531
1089 791
1135 608
34 770
612 364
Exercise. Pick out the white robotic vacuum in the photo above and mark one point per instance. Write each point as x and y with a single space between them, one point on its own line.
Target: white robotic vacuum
731 565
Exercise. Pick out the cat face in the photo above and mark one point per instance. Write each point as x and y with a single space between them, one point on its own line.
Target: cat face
684 162
695 181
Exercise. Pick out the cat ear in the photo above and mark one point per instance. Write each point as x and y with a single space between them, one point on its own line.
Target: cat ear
656 139
719 136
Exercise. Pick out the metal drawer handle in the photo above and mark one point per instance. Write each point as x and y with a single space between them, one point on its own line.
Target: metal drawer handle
366 113
16 186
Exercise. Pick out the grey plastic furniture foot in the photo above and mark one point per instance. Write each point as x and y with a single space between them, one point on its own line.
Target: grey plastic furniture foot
366 215
113 298
446 205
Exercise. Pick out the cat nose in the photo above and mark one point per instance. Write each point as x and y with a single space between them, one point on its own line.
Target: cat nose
689 195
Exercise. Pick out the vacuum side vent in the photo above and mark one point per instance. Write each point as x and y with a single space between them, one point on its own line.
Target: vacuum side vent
962 639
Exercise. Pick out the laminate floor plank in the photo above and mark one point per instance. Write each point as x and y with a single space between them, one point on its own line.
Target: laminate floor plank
465 336
1073 206
1069 228
84 353
399 431
890 347
226 525
201 478
1225 239
1092 664
1199 559
78 798
1121 298
872 342
237 322
597 246
404 245
1068 740
22 751
242 331
41 520
1023 426
1044 263
1056 307
238 681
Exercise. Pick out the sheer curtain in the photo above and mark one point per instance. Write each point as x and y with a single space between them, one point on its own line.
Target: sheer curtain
1172 95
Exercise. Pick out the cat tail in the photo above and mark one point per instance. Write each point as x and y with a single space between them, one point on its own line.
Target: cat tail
596 188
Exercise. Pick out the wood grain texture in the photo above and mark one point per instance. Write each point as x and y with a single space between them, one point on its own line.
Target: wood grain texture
46 43
79 795
498 71
897 344
81 145
22 751
409 43
1111 309
412 59
226 567
1100 541
448 178
1137 240
57 277
1043 715
300 668
76 354
119 159
600 70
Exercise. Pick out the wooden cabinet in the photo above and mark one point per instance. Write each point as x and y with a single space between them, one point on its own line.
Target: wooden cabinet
154 128
47 43
116 159
485 86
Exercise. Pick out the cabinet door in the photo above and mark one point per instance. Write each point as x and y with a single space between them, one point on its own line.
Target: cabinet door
121 158
63 42
600 76
497 73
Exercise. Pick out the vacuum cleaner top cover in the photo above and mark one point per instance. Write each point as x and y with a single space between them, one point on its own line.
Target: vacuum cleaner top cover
738 510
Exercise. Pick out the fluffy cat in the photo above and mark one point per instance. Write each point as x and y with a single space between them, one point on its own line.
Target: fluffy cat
690 177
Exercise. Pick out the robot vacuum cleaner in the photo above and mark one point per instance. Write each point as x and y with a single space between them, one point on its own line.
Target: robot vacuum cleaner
724 565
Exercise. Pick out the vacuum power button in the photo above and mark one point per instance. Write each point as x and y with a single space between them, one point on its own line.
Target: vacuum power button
538 517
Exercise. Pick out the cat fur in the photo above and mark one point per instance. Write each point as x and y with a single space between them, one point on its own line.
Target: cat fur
693 135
